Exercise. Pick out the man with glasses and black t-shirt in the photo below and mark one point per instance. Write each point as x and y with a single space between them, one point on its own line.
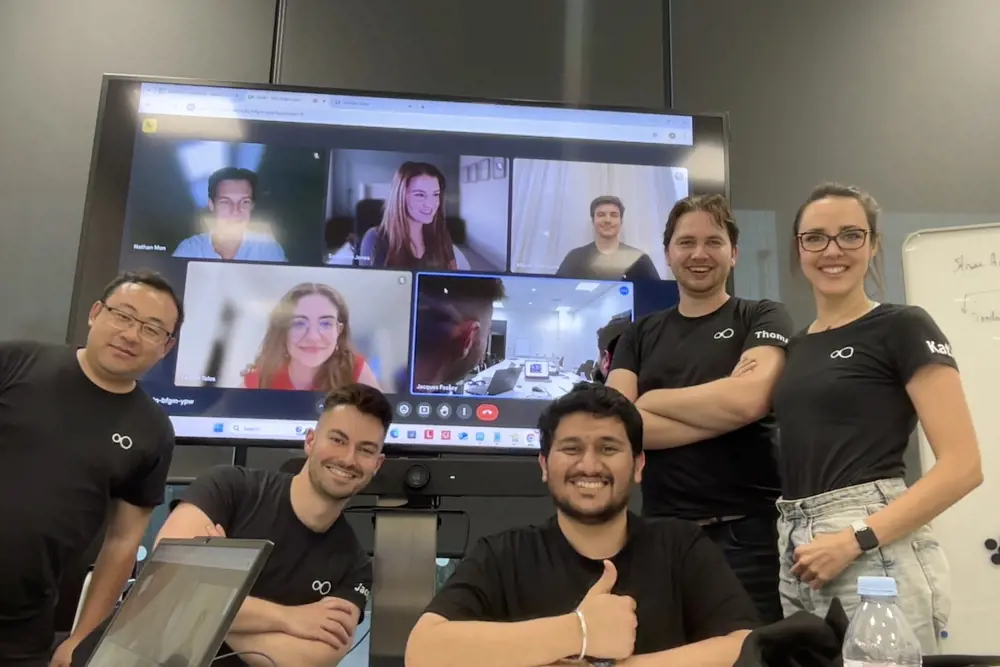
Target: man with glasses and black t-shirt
596 583
702 375
80 443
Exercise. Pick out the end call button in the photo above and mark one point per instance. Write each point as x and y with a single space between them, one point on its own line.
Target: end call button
487 412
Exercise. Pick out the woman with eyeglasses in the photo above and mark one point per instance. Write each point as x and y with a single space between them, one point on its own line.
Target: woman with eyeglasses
307 346
856 383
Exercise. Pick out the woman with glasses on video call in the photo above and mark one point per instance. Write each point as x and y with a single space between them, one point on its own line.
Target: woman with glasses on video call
413 233
855 384
307 346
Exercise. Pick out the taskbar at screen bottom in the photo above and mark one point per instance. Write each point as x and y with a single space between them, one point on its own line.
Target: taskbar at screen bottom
420 435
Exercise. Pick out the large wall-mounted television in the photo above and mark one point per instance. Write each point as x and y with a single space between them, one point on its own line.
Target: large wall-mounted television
459 254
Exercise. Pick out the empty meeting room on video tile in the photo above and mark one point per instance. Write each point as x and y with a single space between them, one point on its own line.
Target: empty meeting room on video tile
540 202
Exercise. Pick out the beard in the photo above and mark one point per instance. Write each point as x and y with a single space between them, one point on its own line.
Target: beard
592 517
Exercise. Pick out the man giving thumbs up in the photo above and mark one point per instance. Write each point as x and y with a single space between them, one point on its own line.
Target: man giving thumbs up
596 584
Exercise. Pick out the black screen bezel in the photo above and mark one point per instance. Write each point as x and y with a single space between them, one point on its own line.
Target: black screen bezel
104 214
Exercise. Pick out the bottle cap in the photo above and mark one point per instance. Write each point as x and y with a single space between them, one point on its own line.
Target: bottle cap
883 587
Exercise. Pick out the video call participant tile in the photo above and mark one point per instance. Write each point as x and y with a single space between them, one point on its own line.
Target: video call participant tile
417 211
260 326
592 220
227 200
517 337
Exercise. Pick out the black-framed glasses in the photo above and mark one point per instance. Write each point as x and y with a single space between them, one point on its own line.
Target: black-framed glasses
121 320
849 239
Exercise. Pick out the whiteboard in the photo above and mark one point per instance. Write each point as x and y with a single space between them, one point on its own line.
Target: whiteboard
954 274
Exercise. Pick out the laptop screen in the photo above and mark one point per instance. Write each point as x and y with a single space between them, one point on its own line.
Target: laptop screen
175 611
536 370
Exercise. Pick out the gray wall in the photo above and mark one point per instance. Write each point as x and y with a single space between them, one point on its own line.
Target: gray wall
54 53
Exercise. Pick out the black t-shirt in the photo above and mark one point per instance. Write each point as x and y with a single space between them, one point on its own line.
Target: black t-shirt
845 415
625 263
683 588
67 449
734 473
304 566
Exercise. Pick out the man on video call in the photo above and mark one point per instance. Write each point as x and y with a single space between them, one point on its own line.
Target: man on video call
313 589
453 328
702 375
232 194
607 258
82 447
595 584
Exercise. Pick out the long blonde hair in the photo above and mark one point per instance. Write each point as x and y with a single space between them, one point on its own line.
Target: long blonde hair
395 226
337 371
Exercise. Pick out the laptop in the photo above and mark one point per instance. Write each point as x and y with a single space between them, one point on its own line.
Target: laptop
179 609
537 371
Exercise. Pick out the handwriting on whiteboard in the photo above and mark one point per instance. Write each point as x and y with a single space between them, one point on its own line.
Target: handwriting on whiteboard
968 263
983 306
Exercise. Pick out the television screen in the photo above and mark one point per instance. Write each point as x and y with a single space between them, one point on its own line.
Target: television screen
460 255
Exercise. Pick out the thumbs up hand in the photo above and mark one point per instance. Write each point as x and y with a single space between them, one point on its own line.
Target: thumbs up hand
610 618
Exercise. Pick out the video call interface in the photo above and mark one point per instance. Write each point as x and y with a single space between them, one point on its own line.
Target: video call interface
464 271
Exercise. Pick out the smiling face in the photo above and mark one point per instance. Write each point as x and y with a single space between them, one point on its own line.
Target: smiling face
700 254
423 199
839 224
344 452
607 221
232 206
314 331
590 468
131 330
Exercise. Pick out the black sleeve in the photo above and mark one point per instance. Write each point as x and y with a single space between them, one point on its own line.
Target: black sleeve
473 592
217 493
643 269
146 486
13 356
626 354
356 586
915 340
770 325
714 601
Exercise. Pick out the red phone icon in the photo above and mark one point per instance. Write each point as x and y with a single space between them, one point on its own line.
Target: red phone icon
487 412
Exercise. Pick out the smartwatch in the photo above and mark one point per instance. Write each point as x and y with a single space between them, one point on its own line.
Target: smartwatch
865 536
600 662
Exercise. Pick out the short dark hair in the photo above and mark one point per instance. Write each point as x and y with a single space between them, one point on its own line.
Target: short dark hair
594 399
868 204
607 199
231 174
609 334
716 206
366 399
150 279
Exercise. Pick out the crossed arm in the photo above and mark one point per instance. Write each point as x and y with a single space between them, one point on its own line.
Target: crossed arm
679 417
314 635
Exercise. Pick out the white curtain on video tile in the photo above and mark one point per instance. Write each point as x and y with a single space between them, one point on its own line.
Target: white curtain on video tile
551 208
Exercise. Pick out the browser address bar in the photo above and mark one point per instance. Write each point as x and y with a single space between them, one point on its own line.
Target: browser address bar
321 114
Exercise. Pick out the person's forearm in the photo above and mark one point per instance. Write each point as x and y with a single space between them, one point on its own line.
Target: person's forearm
284 650
662 433
724 405
256 616
944 485
715 652
107 582
543 641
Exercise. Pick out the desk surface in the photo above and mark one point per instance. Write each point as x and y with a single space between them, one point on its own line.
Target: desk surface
525 388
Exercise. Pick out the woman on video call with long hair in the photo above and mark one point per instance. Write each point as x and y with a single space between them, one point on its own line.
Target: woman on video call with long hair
412 234
307 346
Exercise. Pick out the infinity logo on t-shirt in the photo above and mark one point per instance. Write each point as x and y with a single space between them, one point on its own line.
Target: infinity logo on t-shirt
322 587
725 333
123 441
939 348
843 353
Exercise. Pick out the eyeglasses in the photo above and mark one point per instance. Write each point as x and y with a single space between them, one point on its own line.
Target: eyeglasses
152 333
849 239
326 327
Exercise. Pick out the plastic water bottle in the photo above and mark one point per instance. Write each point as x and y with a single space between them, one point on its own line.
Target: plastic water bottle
879 635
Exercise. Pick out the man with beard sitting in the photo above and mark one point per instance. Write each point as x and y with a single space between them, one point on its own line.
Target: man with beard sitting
596 584
311 593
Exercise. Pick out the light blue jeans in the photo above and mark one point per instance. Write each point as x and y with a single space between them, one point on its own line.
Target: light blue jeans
916 562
